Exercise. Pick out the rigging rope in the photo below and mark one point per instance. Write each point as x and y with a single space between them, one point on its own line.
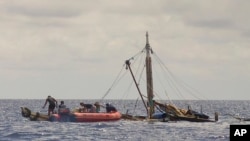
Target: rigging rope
185 86
135 58
115 82
170 81
135 104
120 76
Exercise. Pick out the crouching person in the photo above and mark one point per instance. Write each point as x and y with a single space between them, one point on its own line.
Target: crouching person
110 108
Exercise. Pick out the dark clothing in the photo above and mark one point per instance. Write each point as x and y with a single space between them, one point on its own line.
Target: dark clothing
110 108
52 104
88 106
62 106
51 101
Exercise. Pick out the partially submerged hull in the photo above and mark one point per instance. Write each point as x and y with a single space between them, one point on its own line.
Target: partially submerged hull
143 118
177 114
166 119
192 119
133 118
71 117
33 116
172 113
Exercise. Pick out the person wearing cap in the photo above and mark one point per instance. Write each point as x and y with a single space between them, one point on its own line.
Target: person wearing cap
52 104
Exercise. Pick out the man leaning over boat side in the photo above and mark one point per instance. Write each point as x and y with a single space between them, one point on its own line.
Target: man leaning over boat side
91 108
52 104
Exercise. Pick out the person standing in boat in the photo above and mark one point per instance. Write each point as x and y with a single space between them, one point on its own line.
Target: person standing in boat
52 104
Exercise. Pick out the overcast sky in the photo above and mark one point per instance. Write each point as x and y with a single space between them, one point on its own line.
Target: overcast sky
75 49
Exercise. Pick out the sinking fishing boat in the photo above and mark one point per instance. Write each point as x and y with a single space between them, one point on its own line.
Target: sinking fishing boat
65 115
166 112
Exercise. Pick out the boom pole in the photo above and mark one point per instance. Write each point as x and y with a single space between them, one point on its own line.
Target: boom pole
128 65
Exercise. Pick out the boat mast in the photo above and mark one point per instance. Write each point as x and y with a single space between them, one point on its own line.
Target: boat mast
149 77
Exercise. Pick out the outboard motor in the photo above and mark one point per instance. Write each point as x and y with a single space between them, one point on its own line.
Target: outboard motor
110 108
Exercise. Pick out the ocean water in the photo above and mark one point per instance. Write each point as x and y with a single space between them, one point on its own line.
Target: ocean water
15 127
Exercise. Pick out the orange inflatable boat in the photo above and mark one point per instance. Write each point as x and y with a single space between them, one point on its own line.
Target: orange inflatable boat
65 115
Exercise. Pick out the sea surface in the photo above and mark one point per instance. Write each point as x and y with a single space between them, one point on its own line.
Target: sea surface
15 127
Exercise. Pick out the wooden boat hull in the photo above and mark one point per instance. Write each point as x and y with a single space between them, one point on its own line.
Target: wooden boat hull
71 117
192 119
33 116
169 117
176 114
133 118
143 118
